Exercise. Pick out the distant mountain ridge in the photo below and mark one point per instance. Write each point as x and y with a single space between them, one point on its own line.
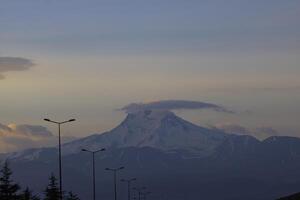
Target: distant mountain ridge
163 130
160 148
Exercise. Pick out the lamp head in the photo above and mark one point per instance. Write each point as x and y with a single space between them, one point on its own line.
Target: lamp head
48 120
72 120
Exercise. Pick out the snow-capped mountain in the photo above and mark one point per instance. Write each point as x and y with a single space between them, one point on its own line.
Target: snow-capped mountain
161 148
153 128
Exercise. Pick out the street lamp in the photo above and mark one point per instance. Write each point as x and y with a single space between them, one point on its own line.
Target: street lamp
93 159
59 150
128 185
139 190
145 195
115 170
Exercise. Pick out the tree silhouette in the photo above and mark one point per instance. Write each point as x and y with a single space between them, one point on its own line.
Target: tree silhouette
8 189
52 190
27 195
72 196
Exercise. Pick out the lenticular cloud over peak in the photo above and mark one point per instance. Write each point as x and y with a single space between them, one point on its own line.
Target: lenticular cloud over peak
173 105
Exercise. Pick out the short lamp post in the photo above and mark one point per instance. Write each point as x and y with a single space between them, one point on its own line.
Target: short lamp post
139 190
115 170
94 170
128 181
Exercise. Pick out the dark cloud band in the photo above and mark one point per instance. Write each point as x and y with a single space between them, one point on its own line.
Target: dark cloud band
15 137
8 64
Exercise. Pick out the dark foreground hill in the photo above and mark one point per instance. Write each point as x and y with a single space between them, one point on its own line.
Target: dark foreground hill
291 197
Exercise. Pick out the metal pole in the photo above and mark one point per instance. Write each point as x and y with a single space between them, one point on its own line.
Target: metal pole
115 177
139 195
59 153
94 178
129 190
94 168
60 168
115 170
139 190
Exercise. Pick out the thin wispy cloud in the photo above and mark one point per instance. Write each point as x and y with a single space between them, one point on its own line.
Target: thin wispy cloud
173 105
8 64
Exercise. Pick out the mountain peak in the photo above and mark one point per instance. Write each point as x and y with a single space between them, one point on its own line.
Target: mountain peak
160 129
147 118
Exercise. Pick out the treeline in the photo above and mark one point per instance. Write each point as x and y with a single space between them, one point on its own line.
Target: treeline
9 190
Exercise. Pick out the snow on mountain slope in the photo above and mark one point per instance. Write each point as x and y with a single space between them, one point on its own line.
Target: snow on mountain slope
152 128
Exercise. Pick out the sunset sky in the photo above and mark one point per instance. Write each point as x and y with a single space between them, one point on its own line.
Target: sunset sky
86 59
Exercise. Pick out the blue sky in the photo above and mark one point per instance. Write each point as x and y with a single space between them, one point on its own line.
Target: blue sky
130 26
92 57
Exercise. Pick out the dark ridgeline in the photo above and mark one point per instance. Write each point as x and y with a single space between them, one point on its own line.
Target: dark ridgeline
291 197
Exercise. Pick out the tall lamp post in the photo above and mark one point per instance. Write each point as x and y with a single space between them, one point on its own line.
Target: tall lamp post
115 170
128 181
94 177
59 150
